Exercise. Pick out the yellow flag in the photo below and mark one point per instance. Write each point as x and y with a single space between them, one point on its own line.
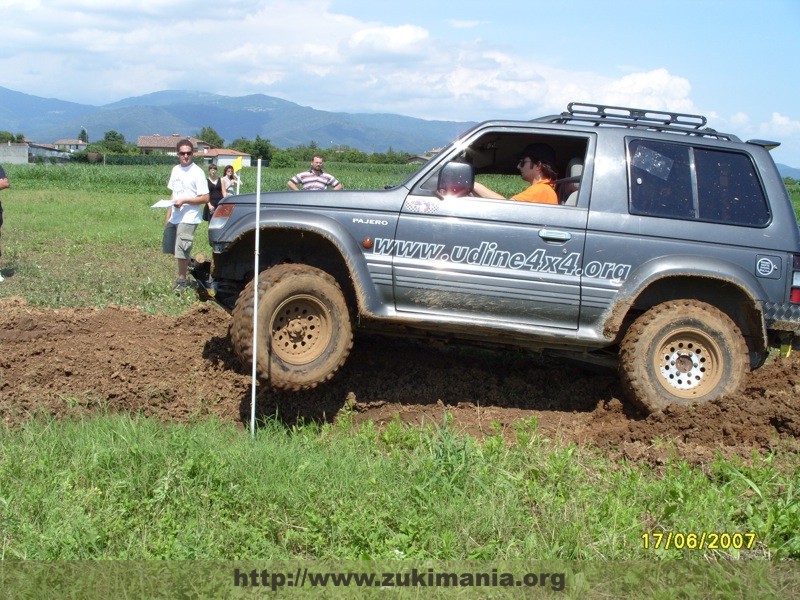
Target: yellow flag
237 164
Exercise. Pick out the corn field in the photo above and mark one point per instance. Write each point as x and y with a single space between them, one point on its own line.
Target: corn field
152 180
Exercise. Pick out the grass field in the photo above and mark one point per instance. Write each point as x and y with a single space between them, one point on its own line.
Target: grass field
85 235
128 488
119 487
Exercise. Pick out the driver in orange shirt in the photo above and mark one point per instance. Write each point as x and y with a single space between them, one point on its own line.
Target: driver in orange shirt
536 167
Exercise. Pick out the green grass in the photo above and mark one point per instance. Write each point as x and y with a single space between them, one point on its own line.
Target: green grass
151 181
72 248
794 194
126 487
85 235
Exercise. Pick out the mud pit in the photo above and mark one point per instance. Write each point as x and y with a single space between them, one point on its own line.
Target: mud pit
81 361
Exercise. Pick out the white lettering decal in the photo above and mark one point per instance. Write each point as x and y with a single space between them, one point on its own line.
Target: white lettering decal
369 221
487 254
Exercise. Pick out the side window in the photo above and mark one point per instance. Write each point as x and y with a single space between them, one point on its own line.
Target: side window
679 181
495 158
729 189
661 180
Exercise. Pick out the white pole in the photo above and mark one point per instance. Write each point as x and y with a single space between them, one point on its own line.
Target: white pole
255 302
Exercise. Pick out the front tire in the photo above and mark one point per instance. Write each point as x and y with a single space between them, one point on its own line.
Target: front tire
682 352
304 328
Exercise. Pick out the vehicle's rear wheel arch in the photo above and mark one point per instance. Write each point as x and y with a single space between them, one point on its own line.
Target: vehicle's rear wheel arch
728 297
682 352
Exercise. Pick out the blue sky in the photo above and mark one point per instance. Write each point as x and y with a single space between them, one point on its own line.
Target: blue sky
734 61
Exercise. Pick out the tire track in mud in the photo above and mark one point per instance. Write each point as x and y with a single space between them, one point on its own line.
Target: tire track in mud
81 361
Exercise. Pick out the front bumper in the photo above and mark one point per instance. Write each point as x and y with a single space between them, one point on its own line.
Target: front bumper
200 270
223 292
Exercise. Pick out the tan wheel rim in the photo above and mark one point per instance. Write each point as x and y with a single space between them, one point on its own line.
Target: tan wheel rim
688 363
300 330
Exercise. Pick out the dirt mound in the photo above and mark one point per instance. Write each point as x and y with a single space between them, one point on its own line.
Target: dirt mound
74 361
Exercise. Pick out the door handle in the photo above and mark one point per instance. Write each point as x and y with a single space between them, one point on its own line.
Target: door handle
551 235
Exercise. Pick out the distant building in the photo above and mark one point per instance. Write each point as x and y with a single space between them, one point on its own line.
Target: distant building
26 152
46 151
224 156
13 154
166 144
70 145
423 158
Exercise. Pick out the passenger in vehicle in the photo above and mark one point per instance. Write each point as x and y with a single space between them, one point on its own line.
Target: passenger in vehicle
536 167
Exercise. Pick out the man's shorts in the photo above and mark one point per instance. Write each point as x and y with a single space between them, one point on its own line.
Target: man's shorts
178 239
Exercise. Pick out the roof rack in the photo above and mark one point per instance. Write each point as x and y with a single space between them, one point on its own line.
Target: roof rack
636 118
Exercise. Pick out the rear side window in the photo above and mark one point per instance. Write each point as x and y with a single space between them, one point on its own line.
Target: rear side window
729 189
684 182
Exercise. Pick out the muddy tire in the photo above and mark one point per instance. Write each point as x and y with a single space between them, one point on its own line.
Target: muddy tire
304 327
682 352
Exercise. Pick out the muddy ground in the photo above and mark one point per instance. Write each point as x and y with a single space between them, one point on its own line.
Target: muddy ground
79 361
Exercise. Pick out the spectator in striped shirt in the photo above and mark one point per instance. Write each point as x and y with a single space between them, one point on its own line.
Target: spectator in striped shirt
315 178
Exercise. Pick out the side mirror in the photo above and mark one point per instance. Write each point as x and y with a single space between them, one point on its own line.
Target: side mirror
455 179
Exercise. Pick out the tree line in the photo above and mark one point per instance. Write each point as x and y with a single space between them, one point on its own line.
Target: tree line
7 136
286 157
114 143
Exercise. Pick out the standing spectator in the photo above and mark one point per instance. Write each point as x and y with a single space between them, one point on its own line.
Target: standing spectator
229 181
189 188
4 185
315 178
216 192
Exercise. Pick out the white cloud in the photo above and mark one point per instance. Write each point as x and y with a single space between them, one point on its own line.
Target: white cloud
380 42
741 120
781 125
657 90
786 131
13 5
307 52
332 62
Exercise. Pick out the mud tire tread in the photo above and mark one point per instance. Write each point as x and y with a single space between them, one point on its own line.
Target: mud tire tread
639 382
276 284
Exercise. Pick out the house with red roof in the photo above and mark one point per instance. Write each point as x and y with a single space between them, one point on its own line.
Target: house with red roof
167 144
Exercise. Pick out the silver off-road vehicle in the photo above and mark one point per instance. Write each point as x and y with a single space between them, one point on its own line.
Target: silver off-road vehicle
674 253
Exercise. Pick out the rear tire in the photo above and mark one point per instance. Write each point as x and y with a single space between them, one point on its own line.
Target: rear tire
304 328
682 352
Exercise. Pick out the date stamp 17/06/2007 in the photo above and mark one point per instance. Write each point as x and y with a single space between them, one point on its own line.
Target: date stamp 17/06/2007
704 540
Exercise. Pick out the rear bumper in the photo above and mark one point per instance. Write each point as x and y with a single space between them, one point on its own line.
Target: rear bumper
782 316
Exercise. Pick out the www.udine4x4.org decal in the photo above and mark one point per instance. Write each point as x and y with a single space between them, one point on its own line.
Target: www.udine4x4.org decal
487 254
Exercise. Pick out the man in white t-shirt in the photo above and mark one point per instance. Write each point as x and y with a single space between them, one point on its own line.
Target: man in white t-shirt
189 188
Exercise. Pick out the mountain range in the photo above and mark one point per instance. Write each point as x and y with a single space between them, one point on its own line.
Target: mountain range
284 123
786 171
